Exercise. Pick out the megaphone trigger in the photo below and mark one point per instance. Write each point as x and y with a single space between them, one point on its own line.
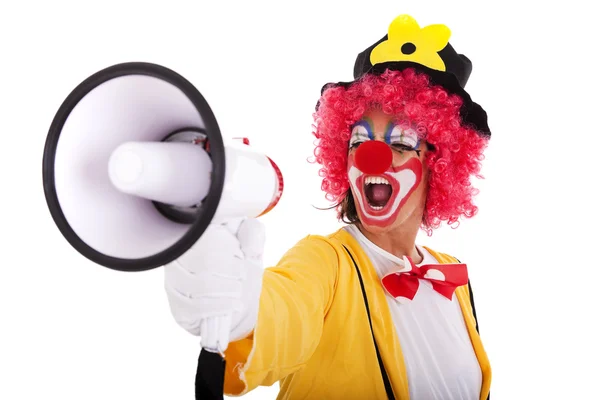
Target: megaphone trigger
244 140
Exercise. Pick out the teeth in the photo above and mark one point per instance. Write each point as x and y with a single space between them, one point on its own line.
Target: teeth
376 180
377 208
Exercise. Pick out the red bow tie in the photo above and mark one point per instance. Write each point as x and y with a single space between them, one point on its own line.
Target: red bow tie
445 278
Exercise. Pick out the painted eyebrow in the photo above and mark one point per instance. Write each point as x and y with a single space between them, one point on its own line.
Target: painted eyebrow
387 137
390 128
365 123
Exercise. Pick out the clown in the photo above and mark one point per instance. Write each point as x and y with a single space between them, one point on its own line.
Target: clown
364 312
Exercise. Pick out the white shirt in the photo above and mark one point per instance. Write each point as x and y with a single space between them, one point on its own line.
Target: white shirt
439 357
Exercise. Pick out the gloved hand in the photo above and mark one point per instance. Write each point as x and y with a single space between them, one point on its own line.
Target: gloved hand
214 288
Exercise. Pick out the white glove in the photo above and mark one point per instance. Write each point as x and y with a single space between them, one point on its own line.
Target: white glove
214 288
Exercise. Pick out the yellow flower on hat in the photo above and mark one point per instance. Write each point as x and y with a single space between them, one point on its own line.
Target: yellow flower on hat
408 42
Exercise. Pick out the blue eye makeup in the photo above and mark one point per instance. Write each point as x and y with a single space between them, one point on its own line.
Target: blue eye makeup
400 137
361 132
403 139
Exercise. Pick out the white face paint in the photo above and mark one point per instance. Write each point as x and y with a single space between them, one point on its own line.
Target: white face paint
403 138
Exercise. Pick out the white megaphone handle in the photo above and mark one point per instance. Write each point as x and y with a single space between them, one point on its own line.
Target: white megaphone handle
215 331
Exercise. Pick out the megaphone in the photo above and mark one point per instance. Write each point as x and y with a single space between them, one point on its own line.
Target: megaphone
135 168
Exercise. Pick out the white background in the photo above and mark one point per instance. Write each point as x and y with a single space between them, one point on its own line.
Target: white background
73 330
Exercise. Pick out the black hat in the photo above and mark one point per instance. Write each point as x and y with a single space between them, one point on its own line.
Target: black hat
426 50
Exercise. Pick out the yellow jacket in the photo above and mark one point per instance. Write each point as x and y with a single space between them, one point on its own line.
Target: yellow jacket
313 332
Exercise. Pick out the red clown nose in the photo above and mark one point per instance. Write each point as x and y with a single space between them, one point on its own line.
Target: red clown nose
373 157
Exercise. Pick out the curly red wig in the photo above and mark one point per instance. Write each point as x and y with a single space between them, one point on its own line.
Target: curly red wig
457 149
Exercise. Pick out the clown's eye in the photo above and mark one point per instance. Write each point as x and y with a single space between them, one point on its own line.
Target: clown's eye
402 147
359 135
404 139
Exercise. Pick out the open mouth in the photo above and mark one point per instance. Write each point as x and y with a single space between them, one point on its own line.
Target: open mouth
380 197
378 191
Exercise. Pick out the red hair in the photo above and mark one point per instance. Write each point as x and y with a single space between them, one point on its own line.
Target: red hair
458 149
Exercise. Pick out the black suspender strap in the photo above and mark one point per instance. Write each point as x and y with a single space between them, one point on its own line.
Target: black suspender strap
473 306
210 376
386 381
472 300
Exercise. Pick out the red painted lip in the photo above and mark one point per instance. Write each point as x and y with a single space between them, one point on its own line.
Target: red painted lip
411 164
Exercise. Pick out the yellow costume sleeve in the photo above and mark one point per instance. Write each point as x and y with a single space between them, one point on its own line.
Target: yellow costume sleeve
295 298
